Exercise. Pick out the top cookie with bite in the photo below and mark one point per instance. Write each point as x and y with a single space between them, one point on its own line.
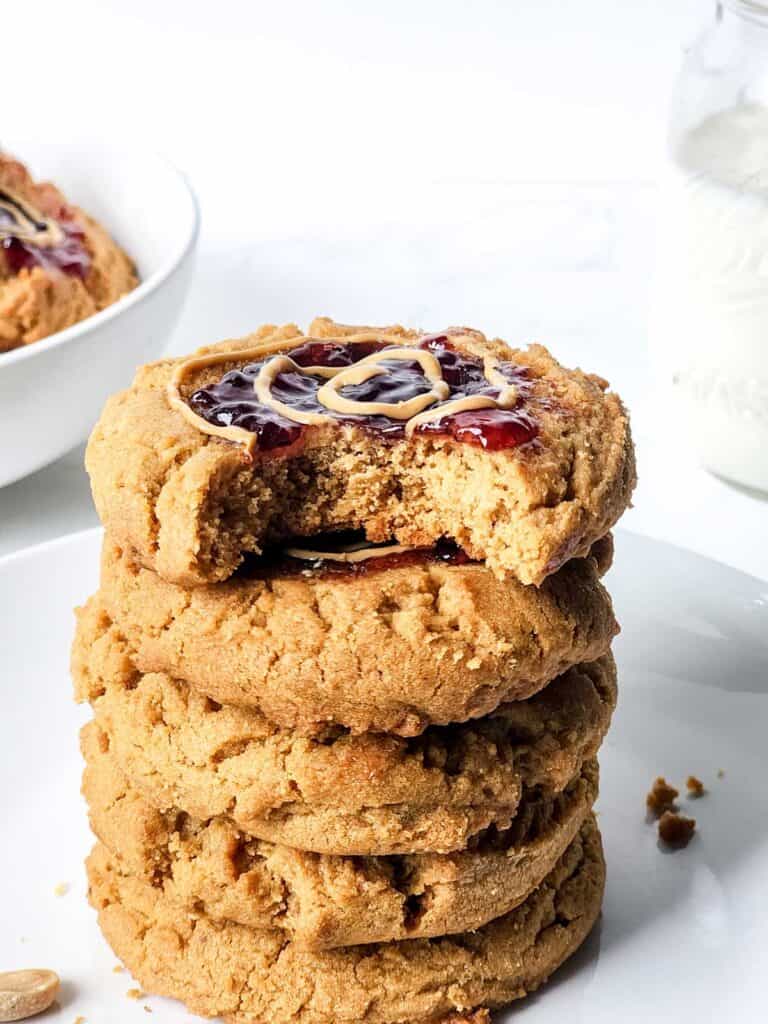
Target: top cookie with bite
411 437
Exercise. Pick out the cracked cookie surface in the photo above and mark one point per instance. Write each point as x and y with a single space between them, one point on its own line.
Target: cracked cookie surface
393 651
324 901
336 792
249 976
45 288
190 504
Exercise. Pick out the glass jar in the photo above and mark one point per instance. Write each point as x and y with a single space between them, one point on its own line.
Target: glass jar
709 312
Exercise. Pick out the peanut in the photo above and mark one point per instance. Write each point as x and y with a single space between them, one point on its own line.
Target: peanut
25 993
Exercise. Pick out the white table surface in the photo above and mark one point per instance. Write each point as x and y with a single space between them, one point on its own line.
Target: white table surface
427 163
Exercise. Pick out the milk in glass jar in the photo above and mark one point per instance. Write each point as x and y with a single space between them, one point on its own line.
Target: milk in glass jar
709 313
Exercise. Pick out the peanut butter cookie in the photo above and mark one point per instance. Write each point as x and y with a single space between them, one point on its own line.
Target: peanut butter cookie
391 643
336 792
57 264
246 976
523 463
322 901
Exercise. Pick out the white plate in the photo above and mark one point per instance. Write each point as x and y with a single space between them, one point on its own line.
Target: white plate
684 935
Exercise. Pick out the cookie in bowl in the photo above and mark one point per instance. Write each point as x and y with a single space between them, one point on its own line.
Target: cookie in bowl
57 264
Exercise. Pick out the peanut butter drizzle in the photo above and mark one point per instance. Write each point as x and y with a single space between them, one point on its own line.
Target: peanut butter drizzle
415 410
27 222
369 367
284 364
350 556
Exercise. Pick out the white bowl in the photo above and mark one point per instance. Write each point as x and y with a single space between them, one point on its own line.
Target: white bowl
51 392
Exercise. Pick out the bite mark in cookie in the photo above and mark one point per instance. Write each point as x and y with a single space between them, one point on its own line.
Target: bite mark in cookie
192 506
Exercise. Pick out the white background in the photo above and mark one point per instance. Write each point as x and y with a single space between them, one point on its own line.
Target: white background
423 162
429 162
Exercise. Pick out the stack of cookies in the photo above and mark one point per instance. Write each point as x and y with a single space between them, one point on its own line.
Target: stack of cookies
350 669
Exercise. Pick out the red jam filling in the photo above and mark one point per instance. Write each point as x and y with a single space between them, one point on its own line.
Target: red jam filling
70 256
232 402
277 561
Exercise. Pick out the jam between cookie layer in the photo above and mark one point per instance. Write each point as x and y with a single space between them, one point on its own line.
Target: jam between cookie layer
345 555
348 554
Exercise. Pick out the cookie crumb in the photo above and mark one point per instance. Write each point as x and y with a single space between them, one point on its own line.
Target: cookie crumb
695 787
118 969
135 993
720 773
80 1020
147 1009
61 889
661 797
676 830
